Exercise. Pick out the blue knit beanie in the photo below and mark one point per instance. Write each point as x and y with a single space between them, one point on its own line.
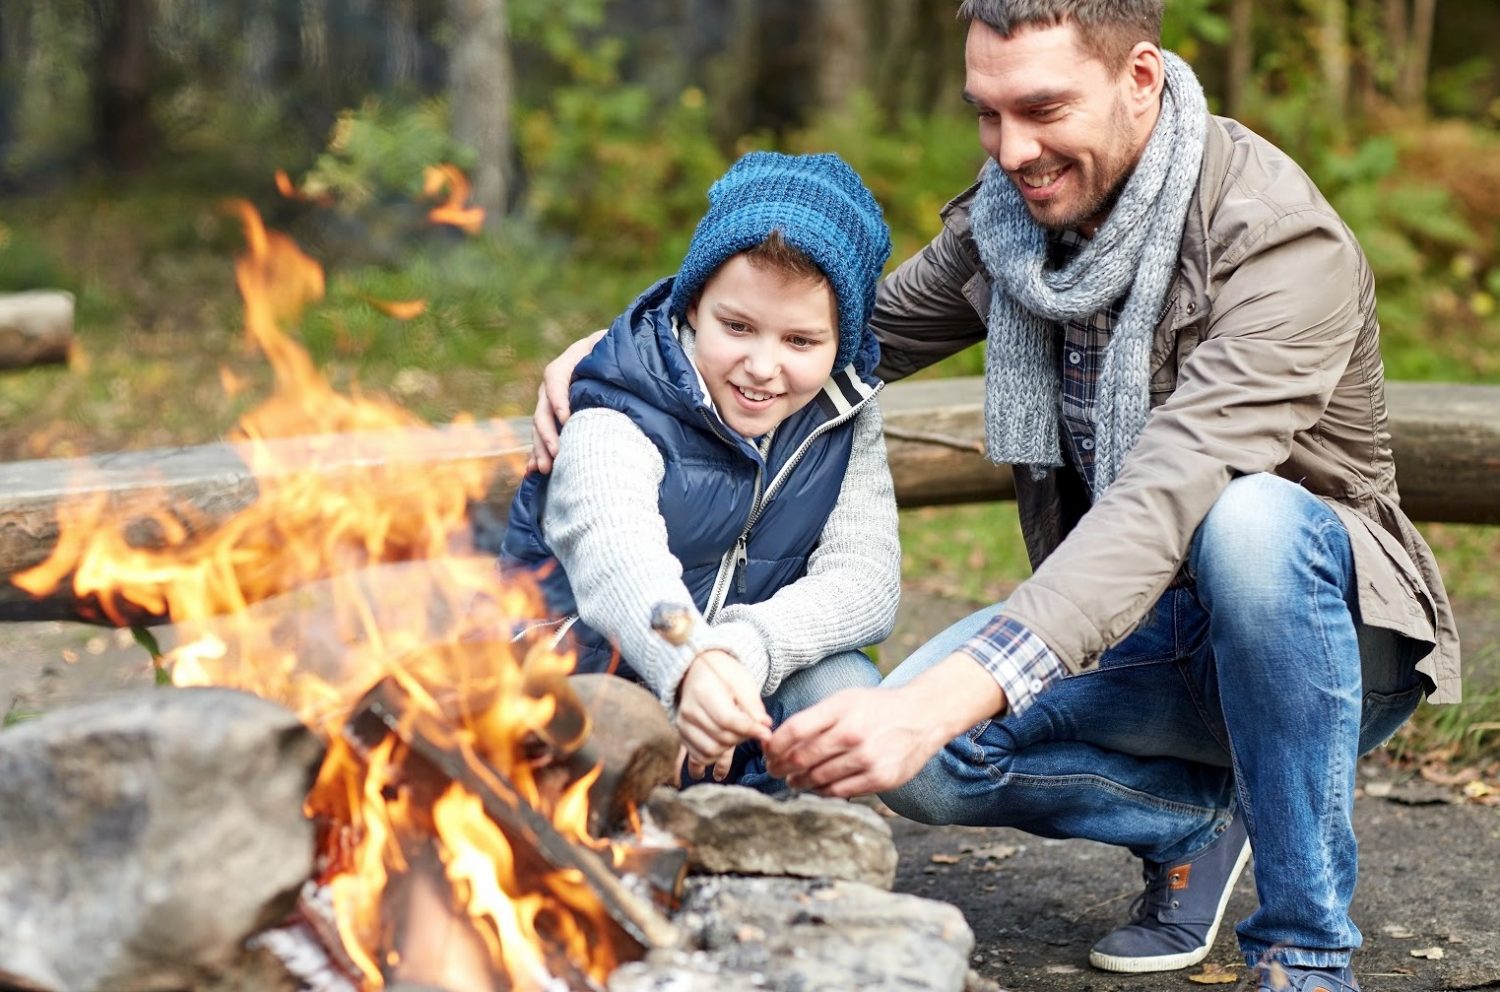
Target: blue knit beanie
820 207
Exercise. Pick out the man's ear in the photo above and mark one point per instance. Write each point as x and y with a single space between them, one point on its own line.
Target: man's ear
1146 74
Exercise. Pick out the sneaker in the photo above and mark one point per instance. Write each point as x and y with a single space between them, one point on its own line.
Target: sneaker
1173 923
1277 977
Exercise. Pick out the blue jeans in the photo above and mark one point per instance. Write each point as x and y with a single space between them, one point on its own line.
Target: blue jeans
1249 690
797 691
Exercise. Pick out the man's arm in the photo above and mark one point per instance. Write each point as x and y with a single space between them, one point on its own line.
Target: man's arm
932 305
552 402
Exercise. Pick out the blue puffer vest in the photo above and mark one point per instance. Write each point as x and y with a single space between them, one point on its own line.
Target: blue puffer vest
742 526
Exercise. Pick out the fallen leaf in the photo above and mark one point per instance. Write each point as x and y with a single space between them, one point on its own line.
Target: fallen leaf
945 859
1430 953
1478 790
1378 790
1397 931
1215 974
1441 776
995 852
1063 969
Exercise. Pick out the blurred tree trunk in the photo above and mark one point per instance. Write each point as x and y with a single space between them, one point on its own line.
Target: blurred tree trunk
1241 55
918 60
123 129
844 42
480 90
1408 29
1333 55
1412 91
10 81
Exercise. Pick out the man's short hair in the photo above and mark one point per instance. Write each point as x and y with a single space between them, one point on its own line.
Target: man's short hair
1107 29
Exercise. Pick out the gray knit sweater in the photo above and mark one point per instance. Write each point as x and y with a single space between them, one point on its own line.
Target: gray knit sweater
604 525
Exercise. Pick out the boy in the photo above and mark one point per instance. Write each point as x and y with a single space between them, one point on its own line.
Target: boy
726 451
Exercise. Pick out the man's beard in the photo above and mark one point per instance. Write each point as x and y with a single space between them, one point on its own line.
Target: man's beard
1098 203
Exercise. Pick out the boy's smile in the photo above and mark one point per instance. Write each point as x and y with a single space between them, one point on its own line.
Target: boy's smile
765 343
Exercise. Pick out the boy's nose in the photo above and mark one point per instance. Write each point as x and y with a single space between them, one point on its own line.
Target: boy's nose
760 362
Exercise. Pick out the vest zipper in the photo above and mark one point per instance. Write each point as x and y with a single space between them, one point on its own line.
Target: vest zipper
737 557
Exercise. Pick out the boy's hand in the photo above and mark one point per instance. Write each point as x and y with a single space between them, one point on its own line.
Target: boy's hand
719 706
552 402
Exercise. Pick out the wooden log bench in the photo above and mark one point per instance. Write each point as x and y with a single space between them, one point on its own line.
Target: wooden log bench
36 328
1446 439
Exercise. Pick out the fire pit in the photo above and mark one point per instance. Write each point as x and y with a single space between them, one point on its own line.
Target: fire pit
456 844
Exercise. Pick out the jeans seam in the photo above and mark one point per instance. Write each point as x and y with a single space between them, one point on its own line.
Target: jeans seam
1332 813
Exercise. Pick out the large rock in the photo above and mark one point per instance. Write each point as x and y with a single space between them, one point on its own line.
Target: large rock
733 830
632 739
144 837
813 936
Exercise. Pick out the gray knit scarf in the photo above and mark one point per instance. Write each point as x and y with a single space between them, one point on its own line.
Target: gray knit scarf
1135 250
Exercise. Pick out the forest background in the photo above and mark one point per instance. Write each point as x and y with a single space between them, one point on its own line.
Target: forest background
591 129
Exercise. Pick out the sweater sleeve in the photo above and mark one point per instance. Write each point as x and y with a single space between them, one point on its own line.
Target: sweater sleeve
848 597
604 523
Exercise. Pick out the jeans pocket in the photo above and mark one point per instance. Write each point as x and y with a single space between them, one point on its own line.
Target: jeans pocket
1383 713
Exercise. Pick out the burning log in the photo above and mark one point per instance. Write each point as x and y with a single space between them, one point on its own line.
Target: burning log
36 328
384 712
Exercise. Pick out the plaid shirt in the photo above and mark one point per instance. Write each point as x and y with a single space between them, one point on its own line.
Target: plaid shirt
1019 660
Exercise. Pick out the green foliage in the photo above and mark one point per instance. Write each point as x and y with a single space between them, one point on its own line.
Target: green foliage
913 166
621 175
28 263
380 151
1187 23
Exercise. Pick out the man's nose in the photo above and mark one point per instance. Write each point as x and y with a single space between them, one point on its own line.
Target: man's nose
1019 147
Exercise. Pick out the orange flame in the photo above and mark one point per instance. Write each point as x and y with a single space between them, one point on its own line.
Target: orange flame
400 309
452 211
382 590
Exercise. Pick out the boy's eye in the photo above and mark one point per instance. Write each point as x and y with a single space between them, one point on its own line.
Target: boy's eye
737 326
801 343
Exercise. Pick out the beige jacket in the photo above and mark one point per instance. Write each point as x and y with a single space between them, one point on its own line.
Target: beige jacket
1267 359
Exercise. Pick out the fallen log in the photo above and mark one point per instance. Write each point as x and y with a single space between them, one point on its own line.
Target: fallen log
1446 439
36 328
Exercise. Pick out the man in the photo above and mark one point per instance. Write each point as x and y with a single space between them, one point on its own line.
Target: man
1227 605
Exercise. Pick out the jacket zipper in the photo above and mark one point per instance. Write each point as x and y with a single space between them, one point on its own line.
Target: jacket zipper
734 560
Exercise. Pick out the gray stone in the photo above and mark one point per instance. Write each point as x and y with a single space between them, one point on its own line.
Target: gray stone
734 830
809 936
144 837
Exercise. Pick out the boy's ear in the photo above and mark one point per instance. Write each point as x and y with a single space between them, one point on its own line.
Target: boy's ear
692 312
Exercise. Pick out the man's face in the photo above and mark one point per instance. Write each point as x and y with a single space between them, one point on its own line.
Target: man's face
1065 128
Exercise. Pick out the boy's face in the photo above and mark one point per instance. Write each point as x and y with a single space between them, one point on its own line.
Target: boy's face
766 343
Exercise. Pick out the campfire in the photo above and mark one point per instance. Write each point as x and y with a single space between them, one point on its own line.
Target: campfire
452 804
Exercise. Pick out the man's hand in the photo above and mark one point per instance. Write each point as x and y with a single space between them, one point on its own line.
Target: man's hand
552 402
861 741
719 706
855 742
